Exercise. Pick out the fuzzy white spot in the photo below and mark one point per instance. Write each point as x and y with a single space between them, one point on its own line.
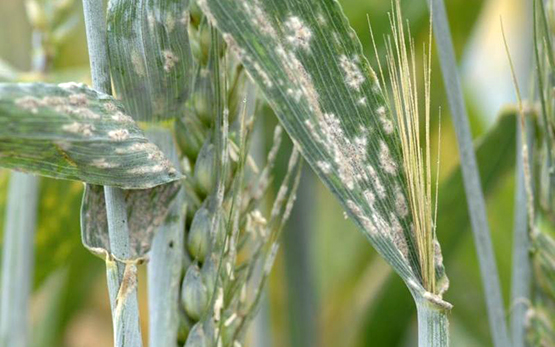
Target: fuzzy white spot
265 78
142 170
401 203
170 59
119 134
121 117
387 125
362 101
398 237
84 113
79 128
78 100
353 76
386 161
110 107
170 22
103 164
299 34
376 182
71 85
325 167
259 18
296 94
29 103
369 197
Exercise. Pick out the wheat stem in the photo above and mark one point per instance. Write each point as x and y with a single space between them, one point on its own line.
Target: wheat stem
433 325
122 281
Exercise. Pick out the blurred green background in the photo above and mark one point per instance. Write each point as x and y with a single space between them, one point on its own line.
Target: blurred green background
328 287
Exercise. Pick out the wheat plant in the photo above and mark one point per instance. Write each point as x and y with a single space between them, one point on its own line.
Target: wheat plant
164 141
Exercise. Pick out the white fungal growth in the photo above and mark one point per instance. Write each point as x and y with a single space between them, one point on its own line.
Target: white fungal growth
29 103
321 19
376 182
366 222
170 22
387 125
54 101
121 117
369 197
401 203
78 100
119 134
143 170
398 237
324 166
381 111
362 101
101 163
353 76
71 85
84 113
138 147
79 128
110 107
265 78
386 161
299 34
170 59
258 17
295 93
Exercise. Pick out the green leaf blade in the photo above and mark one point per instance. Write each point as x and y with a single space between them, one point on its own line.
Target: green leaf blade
69 131
150 56
314 75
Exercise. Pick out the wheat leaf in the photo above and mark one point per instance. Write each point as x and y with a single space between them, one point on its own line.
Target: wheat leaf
309 64
150 55
72 132
146 211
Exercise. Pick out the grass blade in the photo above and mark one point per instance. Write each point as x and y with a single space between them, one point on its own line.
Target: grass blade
17 259
475 197
521 268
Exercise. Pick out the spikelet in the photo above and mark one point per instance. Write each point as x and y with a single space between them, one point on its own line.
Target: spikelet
416 157
228 238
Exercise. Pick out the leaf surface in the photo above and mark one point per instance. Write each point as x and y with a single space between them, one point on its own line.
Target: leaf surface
70 131
309 64
150 56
